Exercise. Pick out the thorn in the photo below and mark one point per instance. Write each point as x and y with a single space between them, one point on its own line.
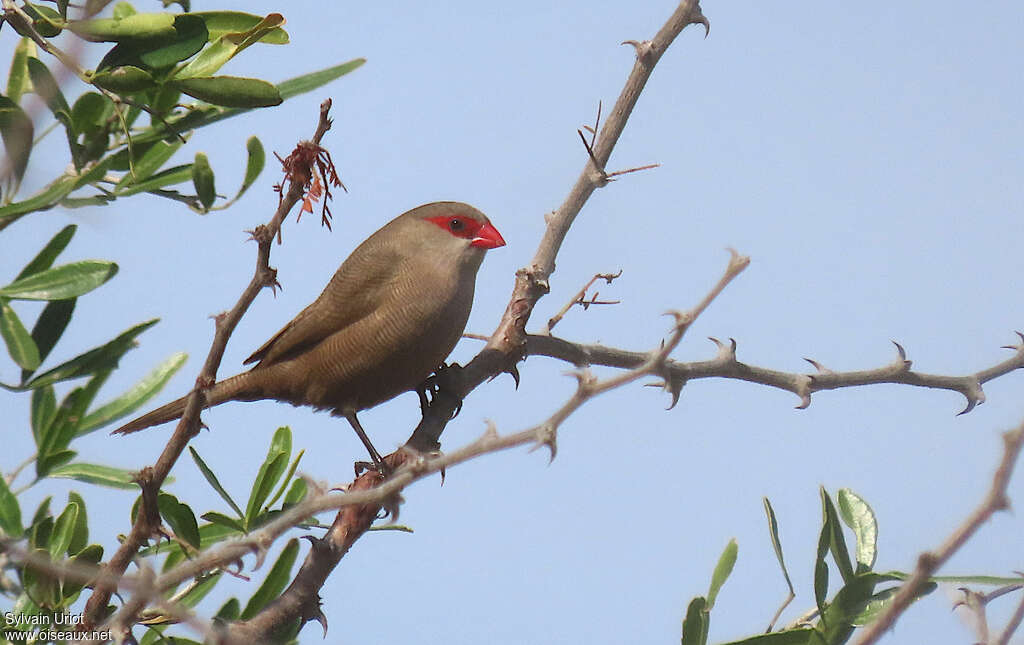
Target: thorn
975 396
514 371
492 430
903 355
322 619
674 386
723 351
818 366
804 392
547 436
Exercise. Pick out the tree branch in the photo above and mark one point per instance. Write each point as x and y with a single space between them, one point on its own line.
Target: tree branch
151 478
725 365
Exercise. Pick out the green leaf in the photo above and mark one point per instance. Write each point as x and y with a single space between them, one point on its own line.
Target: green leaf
45 20
308 82
124 78
219 518
10 512
270 471
230 91
43 200
48 462
726 561
47 88
275 581
103 357
135 26
80 536
148 163
219 23
211 478
41 531
204 115
90 555
45 258
188 37
858 516
169 177
180 518
820 565
837 543
695 625
17 133
257 158
19 342
198 592
773 532
203 180
91 112
97 474
39 583
135 397
801 636
18 82
63 531
44 409
229 611
62 282
50 327
296 493
227 47
286 479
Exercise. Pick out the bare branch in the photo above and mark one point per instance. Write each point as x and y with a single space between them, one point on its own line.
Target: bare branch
929 562
580 299
725 365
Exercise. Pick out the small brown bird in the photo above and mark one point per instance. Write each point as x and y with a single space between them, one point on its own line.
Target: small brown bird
389 317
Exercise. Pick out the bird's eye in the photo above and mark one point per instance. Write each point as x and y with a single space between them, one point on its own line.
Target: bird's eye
456 224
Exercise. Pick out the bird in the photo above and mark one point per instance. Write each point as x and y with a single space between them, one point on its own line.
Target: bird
386 320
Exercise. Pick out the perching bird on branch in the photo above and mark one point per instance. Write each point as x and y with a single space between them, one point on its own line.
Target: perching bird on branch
390 315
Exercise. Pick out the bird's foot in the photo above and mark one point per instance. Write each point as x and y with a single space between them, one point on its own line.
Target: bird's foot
440 384
378 467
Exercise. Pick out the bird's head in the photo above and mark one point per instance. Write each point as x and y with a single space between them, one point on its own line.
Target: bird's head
454 228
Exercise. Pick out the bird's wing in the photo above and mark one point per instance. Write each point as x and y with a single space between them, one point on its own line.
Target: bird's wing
359 286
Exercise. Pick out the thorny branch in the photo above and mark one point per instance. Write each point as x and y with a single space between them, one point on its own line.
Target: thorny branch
929 562
151 478
725 365
581 299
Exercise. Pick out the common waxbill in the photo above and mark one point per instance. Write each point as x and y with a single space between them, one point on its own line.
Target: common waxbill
390 315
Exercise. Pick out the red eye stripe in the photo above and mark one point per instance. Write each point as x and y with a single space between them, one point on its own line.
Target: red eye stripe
458 225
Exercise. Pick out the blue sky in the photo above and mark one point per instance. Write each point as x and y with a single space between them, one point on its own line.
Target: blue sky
867 157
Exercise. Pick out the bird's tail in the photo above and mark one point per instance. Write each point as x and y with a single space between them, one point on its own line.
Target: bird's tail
226 390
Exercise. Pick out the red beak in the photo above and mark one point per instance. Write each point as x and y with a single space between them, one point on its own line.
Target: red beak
488 237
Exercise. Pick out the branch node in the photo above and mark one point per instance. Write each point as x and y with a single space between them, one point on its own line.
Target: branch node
642 48
547 436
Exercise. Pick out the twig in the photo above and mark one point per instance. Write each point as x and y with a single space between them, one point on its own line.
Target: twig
189 424
1011 627
580 299
726 365
929 562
